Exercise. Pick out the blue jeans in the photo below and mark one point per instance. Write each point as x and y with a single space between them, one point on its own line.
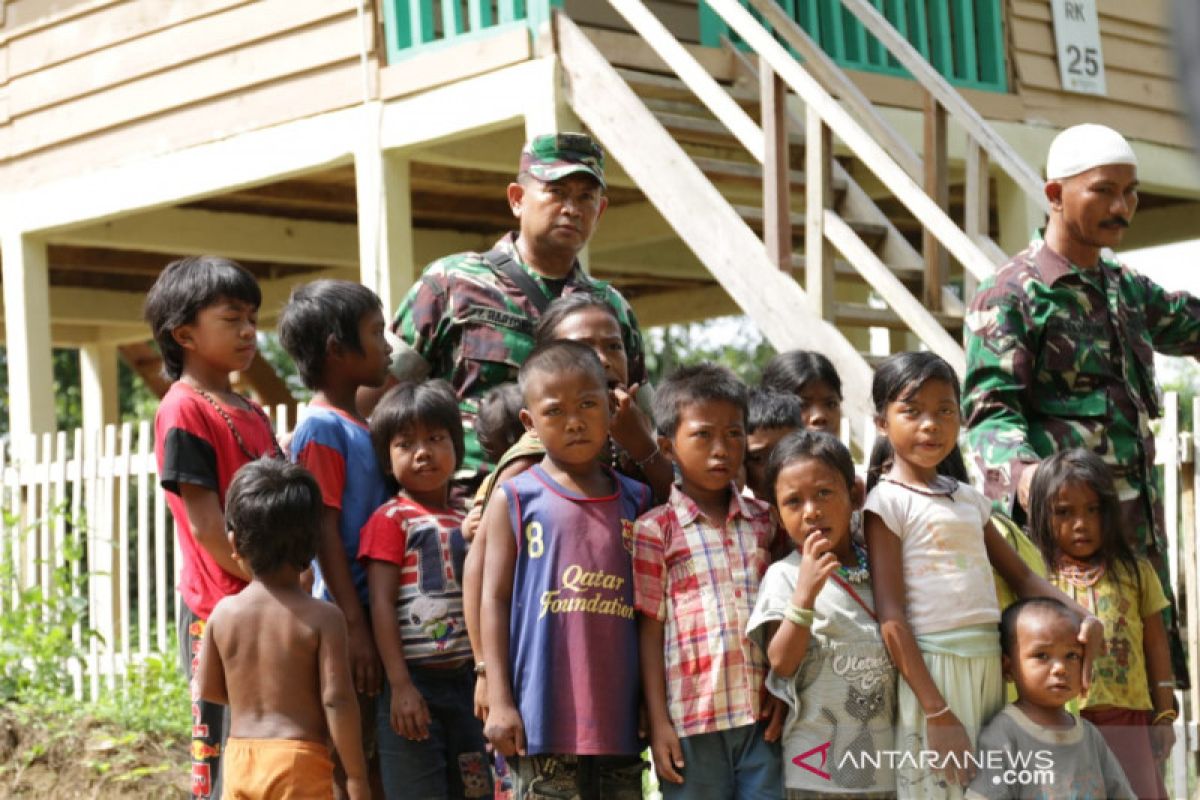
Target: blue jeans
728 765
452 762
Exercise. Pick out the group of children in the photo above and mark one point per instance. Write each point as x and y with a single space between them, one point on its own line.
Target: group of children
718 584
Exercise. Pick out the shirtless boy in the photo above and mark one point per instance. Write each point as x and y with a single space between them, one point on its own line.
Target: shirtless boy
276 656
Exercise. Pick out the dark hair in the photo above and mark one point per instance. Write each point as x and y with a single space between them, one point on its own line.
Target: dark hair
498 424
790 372
770 409
560 356
431 404
565 306
805 444
320 311
899 377
698 383
1078 466
273 508
1012 615
185 287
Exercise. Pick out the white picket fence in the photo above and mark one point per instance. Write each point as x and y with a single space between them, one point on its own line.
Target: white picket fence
96 494
100 493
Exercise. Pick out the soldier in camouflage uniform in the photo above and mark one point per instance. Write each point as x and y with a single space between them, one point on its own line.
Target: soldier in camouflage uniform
470 318
1061 343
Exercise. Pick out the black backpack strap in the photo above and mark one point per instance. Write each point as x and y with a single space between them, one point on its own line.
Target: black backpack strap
501 262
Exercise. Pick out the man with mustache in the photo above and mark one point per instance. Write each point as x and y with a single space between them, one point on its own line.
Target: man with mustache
469 319
1061 343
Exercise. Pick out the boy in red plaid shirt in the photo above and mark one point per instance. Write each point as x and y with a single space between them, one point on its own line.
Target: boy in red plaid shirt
697 563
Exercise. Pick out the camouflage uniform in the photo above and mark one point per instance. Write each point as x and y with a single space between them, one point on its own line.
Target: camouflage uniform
1061 357
475 328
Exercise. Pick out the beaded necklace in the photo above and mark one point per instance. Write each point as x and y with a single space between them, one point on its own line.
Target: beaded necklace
858 574
237 436
1080 573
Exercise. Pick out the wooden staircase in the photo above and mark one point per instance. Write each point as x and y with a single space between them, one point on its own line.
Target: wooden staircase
755 190
739 178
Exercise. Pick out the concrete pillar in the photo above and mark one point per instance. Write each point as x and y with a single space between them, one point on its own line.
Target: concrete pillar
99 389
27 335
385 230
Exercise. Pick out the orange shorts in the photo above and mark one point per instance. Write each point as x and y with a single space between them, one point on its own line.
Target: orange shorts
276 769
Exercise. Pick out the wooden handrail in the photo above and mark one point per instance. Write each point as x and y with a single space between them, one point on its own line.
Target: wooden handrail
705 221
977 128
870 152
884 281
705 87
835 80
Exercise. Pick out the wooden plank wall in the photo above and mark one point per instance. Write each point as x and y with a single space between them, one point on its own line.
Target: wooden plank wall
90 82
1139 69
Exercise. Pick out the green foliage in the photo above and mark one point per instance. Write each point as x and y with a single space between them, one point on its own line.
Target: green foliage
734 342
37 644
36 641
154 699
277 357
1180 375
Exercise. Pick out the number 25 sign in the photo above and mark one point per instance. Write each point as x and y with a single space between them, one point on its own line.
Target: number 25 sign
1077 38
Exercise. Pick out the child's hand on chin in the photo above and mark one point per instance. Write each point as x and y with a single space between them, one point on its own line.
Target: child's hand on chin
817 563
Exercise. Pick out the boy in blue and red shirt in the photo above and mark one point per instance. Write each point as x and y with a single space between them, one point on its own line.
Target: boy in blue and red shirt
334 332
203 312
559 628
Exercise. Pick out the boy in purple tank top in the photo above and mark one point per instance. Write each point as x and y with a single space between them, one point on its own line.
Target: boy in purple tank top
559 626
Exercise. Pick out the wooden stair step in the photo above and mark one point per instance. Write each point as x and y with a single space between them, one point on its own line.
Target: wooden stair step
748 172
704 128
872 233
844 269
655 84
867 317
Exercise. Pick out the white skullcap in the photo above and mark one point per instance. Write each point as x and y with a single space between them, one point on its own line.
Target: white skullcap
1083 147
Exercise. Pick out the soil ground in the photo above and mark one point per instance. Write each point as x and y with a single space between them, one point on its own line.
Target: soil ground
67 757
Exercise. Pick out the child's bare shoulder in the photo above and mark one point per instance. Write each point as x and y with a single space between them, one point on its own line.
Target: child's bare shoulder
326 617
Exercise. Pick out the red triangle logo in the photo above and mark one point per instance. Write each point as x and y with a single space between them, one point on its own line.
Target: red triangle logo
819 771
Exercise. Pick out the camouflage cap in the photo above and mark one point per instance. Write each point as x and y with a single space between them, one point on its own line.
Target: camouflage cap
552 157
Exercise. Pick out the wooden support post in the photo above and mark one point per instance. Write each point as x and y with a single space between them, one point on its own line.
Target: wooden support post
818 193
27 336
261 378
385 231
1019 215
777 201
98 385
1188 601
976 210
546 107
145 361
937 186
547 111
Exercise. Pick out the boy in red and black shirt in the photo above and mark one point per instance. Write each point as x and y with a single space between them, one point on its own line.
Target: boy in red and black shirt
204 315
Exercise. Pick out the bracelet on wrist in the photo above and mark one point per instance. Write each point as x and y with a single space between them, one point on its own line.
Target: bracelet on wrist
1165 685
1170 715
944 710
642 462
480 669
798 616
